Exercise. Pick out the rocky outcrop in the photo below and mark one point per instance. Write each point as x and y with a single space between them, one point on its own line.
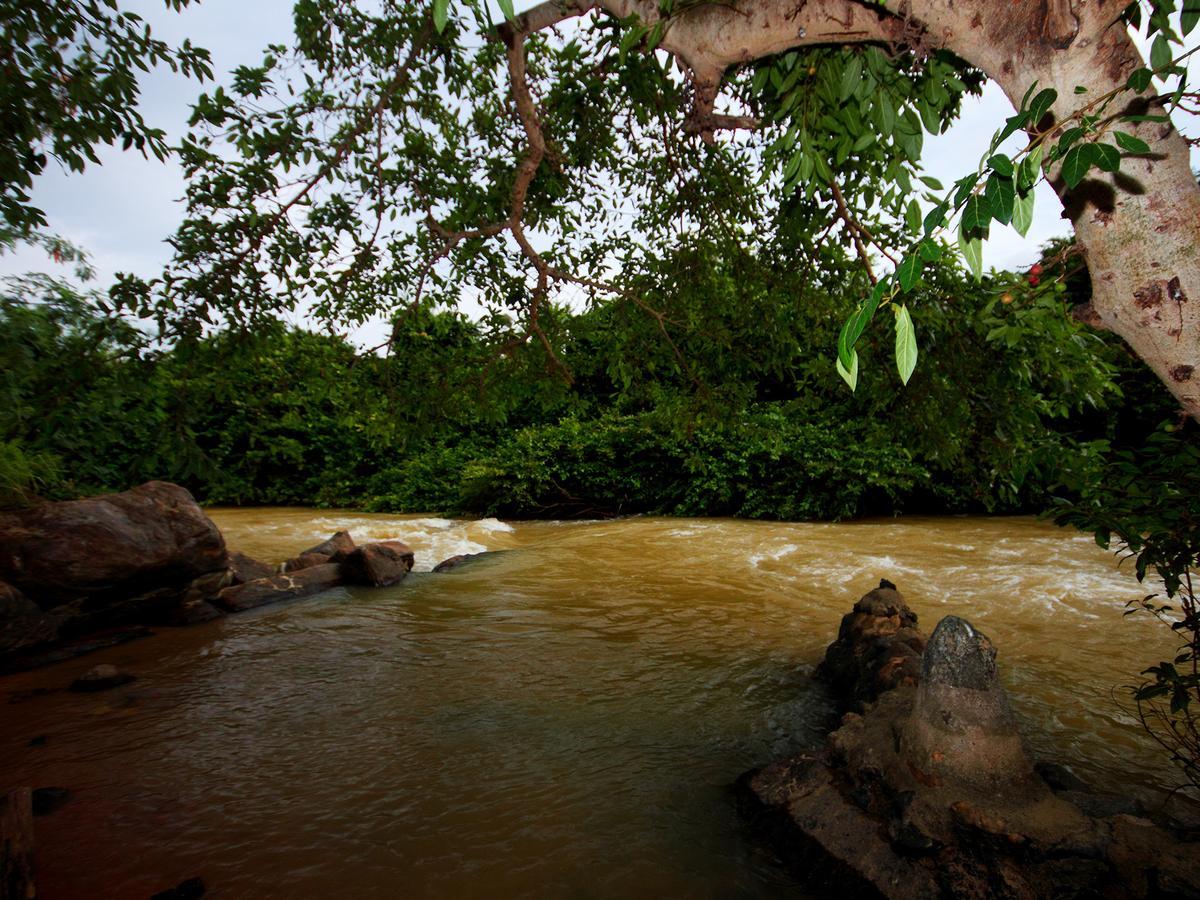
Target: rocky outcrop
334 550
286 586
243 568
378 565
927 792
116 559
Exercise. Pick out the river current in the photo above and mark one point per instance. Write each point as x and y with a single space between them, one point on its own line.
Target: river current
561 719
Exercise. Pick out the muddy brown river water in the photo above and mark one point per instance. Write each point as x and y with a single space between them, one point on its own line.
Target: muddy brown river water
560 720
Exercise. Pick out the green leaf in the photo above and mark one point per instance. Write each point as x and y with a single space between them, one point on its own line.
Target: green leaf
849 373
912 216
1190 16
1041 104
931 251
1139 80
441 10
932 183
1160 56
972 252
506 7
906 344
977 213
850 76
1001 193
1131 144
1077 162
1022 216
1001 165
1108 157
909 271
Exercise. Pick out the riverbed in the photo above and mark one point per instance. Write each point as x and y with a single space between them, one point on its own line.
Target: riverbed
560 719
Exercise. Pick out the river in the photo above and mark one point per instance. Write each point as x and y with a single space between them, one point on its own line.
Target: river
562 719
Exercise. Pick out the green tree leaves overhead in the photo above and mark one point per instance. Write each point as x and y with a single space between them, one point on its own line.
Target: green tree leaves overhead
69 81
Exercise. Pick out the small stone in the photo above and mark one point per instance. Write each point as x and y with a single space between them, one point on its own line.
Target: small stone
47 800
101 678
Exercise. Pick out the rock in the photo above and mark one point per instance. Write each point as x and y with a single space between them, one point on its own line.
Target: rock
47 800
243 568
1059 777
337 548
195 613
305 560
110 560
961 727
878 648
462 559
378 565
31 659
16 845
262 591
101 678
192 889
928 793
22 622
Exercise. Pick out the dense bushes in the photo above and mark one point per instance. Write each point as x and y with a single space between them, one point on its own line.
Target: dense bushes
730 407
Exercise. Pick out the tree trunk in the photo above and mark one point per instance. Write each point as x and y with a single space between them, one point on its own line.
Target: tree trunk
1139 230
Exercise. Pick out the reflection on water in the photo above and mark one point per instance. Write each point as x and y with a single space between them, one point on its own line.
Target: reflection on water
563 720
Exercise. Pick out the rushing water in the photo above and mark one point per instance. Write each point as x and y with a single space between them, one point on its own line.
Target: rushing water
560 720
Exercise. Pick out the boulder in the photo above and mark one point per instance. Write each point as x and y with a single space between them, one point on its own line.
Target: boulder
925 789
114 559
305 560
462 559
287 586
101 678
243 568
337 547
378 565
22 622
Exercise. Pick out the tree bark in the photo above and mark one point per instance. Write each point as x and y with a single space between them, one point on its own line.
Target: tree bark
1138 229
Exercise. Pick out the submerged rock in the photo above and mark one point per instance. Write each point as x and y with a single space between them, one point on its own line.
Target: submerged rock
101 678
928 791
192 889
48 800
263 591
378 565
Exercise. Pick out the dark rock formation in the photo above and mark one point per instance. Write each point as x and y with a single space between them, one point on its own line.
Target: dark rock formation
334 550
101 678
462 559
878 648
279 587
378 565
192 889
22 622
110 560
928 792
243 568
16 845
48 800
31 659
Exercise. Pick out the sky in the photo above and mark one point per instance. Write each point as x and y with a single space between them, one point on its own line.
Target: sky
121 211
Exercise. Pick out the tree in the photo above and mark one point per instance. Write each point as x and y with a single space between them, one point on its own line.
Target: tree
491 155
69 81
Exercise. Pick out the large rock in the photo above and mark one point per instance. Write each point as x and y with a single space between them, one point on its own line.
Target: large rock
243 568
286 586
22 622
378 565
334 550
926 792
114 559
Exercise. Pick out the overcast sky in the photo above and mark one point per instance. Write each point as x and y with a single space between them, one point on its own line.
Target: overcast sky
121 211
